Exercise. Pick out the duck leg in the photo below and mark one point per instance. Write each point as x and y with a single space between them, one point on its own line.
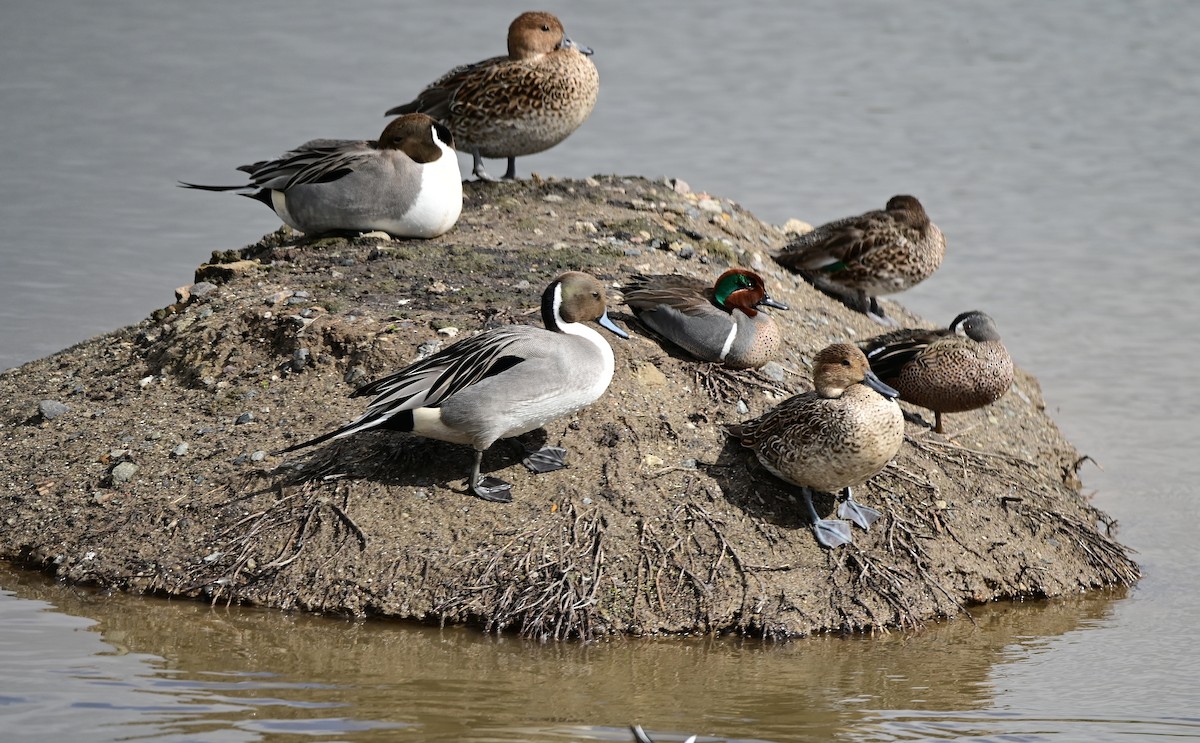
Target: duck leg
829 532
870 308
477 167
489 488
850 509
937 422
546 459
511 173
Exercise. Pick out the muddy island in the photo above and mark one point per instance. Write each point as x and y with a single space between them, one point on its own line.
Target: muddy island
142 460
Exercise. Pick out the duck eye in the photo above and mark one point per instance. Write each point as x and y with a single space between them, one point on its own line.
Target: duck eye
845 362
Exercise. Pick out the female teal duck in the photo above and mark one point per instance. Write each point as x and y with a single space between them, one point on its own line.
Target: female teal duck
501 383
718 323
406 183
836 436
941 369
860 258
517 105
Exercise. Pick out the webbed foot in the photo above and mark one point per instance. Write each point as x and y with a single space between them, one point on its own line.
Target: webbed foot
546 459
831 532
492 489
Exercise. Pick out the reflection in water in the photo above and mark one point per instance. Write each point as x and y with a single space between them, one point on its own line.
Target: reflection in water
168 668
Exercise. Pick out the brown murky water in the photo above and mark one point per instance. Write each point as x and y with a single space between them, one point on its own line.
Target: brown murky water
1054 143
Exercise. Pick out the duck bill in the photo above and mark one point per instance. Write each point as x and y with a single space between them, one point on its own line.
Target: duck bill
768 302
612 327
877 384
568 44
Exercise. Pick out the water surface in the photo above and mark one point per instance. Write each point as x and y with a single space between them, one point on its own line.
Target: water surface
1054 143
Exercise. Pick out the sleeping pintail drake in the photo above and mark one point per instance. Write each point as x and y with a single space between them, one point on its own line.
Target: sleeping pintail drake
947 370
500 383
406 183
516 105
832 438
857 259
719 323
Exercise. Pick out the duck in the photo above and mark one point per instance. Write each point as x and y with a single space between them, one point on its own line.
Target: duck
406 183
836 436
500 383
640 735
860 258
720 323
946 370
519 104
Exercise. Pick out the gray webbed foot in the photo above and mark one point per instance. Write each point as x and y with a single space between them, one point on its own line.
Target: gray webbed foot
546 459
862 515
829 532
477 168
492 489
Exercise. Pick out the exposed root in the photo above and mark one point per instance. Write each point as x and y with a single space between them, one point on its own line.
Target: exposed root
543 581
730 385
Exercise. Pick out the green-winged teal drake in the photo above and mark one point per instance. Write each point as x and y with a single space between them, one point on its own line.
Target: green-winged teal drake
516 105
719 323
832 438
942 369
406 183
500 383
860 258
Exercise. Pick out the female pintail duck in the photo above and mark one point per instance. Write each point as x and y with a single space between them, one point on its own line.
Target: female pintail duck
500 383
944 370
718 323
406 184
829 439
517 105
860 258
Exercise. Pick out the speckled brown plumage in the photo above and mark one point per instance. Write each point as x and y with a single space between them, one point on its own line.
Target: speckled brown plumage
519 104
942 370
833 437
869 255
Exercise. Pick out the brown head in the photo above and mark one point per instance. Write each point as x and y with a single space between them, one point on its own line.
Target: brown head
533 34
414 134
838 367
739 288
576 297
909 210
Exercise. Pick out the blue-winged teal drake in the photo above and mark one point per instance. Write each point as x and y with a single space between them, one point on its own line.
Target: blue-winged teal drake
832 438
501 383
719 323
406 183
944 370
860 258
516 105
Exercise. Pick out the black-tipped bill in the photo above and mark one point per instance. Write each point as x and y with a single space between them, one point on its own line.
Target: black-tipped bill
768 302
877 384
611 326
568 44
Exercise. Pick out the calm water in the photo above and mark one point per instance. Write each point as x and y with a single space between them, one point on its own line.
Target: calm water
1055 144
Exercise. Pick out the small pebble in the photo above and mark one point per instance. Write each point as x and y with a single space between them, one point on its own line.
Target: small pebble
244 418
180 450
51 409
687 252
709 205
258 456
355 374
202 288
124 472
552 198
742 407
774 371
449 331
300 359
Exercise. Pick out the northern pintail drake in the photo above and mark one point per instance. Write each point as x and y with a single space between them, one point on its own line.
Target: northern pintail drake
719 323
947 370
406 183
832 438
860 258
500 383
516 105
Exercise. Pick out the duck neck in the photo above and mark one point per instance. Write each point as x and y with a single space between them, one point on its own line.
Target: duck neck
553 320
